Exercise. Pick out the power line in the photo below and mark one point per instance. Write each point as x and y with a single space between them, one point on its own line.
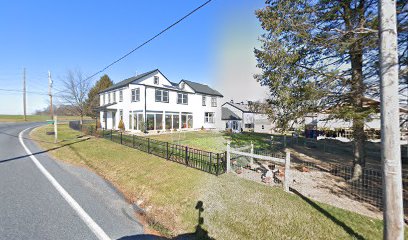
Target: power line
149 40
21 91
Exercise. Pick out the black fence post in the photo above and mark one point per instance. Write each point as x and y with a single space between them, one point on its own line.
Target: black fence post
209 170
218 164
186 156
167 150
120 137
148 145
111 135
133 141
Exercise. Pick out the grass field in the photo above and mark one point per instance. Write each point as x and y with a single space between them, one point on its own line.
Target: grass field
33 118
214 141
234 208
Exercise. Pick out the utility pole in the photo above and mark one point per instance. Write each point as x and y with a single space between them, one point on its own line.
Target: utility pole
50 93
24 95
390 131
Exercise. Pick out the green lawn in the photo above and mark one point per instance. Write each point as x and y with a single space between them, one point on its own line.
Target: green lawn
234 208
33 118
214 141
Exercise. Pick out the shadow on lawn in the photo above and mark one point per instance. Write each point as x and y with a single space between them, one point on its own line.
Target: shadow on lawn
348 229
200 233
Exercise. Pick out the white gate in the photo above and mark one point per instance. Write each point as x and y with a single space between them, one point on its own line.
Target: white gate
284 161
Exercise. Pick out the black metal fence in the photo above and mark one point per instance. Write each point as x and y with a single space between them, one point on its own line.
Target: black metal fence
210 162
367 188
372 149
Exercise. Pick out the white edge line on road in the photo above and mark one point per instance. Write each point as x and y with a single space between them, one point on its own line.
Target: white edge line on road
95 228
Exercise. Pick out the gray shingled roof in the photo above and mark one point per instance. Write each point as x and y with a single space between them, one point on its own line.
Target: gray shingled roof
202 88
227 114
127 81
242 107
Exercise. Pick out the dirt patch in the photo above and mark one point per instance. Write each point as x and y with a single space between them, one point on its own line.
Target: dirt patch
320 186
326 188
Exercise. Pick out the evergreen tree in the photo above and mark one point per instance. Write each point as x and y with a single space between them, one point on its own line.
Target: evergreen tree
323 55
93 96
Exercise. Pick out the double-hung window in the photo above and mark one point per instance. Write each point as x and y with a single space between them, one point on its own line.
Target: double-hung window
213 102
104 100
209 117
162 95
156 80
136 95
120 95
109 98
114 96
204 101
182 98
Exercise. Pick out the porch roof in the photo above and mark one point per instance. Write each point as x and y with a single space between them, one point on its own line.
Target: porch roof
104 107
227 114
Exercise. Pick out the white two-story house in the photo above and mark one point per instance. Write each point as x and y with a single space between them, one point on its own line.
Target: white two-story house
151 102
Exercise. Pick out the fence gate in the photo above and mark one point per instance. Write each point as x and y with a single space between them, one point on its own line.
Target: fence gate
262 156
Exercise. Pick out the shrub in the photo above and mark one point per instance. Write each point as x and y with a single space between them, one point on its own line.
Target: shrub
121 125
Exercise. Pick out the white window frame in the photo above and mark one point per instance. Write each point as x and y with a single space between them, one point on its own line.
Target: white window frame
182 98
163 98
204 101
104 102
156 80
120 95
135 95
114 96
213 101
209 117
109 98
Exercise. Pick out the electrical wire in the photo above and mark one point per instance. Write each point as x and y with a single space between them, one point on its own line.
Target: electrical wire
149 40
124 56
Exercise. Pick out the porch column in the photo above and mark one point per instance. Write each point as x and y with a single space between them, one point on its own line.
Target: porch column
180 120
164 121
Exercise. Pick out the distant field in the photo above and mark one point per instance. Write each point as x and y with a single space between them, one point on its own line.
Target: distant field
34 118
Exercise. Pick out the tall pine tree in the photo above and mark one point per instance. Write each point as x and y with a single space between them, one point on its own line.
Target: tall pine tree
319 55
93 97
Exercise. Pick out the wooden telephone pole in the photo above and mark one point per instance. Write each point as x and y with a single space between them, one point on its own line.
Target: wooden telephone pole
50 93
24 95
390 129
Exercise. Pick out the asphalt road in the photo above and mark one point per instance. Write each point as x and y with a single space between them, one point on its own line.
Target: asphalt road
32 207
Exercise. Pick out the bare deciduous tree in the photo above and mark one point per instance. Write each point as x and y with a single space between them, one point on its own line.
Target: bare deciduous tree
75 92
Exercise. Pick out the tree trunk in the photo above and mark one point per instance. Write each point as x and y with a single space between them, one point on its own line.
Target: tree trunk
357 92
357 97
359 148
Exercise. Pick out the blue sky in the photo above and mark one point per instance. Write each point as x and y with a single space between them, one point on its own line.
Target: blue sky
213 46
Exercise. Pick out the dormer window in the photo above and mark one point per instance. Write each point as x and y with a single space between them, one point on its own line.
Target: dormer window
156 80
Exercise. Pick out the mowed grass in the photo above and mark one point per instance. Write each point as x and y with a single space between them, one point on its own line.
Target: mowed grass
33 118
213 140
234 208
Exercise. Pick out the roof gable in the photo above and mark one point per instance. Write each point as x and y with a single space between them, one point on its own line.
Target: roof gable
129 80
227 114
241 107
202 88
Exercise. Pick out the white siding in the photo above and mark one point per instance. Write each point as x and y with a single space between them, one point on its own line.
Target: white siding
148 87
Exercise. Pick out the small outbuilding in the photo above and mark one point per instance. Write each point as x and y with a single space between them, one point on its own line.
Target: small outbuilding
240 117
